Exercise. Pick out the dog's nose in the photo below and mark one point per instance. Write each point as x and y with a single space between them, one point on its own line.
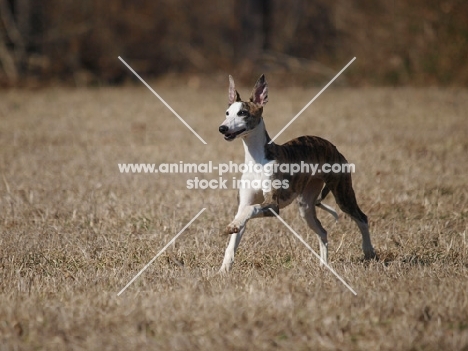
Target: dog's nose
223 129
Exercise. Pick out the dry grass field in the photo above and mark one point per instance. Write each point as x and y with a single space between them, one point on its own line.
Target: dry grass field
74 230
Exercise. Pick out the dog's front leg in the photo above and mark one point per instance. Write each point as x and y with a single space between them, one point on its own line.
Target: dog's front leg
253 210
237 228
247 197
228 260
249 212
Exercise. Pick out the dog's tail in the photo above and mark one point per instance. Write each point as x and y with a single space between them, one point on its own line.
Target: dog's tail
325 207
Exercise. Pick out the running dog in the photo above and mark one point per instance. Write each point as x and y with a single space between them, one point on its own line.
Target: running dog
244 120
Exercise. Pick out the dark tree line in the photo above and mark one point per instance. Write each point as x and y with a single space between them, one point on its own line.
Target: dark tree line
77 42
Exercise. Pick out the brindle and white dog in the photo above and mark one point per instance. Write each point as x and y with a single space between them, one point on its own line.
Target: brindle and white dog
244 120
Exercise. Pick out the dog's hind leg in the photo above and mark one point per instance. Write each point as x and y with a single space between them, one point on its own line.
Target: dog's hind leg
307 204
325 207
343 191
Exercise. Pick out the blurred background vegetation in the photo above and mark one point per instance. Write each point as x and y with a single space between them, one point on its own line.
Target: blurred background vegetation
397 42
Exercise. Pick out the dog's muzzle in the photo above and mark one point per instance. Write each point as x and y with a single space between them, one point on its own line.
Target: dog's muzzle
229 136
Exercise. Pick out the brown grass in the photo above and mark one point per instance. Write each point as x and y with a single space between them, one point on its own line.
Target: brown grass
74 230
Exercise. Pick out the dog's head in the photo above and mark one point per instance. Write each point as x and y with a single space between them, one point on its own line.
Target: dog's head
244 116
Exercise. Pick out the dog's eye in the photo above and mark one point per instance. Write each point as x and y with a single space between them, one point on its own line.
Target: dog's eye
227 113
242 113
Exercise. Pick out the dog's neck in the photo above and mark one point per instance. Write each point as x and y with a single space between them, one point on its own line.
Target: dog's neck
255 143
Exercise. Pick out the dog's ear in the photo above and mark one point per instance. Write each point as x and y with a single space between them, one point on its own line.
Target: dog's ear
260 92
233 94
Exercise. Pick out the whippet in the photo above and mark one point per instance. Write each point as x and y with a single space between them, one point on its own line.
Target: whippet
244 120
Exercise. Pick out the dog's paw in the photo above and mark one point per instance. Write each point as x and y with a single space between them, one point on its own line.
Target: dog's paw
224 270
370 255
232 228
